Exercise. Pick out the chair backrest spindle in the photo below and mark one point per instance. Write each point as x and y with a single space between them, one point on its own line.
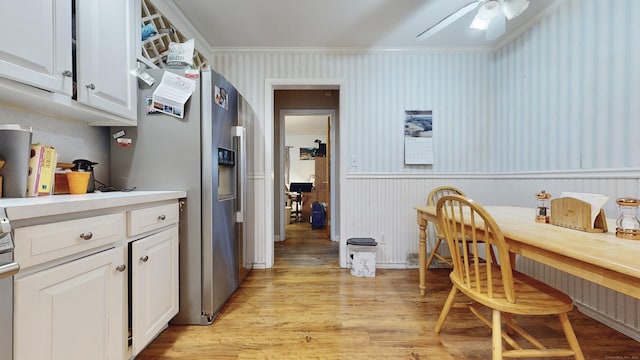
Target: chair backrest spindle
438 193
465 222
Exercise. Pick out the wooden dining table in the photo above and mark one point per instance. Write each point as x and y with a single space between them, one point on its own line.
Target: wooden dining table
601 258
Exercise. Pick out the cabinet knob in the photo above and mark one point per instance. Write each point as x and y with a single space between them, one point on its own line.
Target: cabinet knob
86 236
121 268
161 217
90 86
67 73
144 258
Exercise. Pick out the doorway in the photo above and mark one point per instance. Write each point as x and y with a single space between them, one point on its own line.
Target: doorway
306 95
306 164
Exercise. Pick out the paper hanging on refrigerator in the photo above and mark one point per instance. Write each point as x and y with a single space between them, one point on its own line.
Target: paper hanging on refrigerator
172 94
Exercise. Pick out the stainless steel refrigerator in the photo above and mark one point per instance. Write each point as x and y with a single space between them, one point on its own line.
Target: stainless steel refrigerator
204 154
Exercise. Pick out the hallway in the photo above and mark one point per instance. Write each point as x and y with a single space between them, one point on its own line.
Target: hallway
305 248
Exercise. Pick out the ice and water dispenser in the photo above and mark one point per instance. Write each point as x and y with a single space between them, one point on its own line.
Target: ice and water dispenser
226 174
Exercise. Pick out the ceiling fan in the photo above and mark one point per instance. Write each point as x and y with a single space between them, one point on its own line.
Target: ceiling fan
491 16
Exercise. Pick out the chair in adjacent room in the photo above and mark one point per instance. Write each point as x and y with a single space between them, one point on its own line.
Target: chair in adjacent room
432 199
496 285
295 202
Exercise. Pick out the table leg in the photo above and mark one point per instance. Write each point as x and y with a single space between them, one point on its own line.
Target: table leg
422 255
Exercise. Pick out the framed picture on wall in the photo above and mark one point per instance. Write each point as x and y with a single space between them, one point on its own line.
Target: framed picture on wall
307 153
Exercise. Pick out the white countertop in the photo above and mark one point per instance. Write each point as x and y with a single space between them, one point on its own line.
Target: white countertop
27 208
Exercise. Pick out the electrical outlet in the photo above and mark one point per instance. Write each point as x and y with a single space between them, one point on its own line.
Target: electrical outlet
383 239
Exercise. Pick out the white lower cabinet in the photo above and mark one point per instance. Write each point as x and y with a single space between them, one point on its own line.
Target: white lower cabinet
99 287
72 311
154 285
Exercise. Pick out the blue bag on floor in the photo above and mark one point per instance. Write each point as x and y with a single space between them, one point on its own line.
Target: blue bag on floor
318 215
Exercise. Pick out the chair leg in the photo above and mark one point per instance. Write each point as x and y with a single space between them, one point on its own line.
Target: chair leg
445 309
433 253
496 336
505 335
571 336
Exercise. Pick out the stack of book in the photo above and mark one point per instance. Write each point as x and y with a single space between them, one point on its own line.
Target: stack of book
42 165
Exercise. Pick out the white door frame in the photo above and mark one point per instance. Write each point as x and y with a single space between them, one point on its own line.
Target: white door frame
270 86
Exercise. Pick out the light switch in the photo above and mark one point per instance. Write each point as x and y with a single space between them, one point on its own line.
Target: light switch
355 161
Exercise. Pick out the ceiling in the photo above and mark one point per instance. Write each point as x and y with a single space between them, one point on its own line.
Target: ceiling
306 125
343 24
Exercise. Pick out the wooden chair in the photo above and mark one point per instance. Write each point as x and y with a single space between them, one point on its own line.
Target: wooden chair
495 284
432 200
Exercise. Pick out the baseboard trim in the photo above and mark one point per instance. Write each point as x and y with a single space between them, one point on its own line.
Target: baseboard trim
610 322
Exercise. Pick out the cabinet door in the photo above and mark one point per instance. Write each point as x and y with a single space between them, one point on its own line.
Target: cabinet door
36 46
105 57
72 311
154 285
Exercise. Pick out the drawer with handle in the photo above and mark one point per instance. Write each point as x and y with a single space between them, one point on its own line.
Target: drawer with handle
152 218
39 244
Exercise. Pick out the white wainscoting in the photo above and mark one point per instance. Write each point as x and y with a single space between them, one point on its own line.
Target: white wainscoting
382 207
605 305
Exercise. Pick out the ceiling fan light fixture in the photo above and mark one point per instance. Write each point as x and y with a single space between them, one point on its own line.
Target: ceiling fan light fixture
513 8
480 23
489 9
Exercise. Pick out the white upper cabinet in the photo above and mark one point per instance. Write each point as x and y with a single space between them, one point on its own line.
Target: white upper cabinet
38 51
105 55
37 69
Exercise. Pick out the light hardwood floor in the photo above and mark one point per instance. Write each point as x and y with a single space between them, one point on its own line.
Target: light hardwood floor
306 307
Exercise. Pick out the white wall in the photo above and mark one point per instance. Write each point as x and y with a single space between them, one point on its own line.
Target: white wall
542 103
555 109
566 92
72 139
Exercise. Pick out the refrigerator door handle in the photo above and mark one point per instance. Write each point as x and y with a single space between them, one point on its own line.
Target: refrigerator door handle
240 133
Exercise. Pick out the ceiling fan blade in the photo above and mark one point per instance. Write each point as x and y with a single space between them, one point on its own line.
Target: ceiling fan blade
496 28
448 20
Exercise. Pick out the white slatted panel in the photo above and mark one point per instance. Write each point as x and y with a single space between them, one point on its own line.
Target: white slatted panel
379 87
568 90
564 91
385 204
